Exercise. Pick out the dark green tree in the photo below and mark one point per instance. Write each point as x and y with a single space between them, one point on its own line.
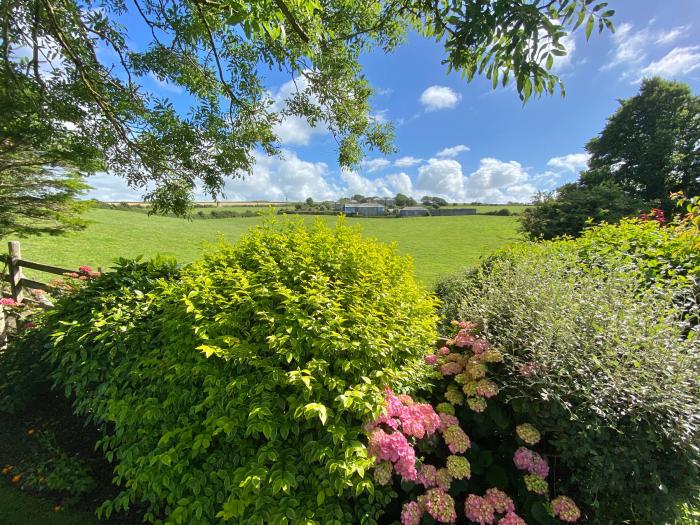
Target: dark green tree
650 145
77 58
401 200
42 163
569 210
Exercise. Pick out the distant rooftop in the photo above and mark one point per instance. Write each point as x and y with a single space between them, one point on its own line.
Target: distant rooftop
364 204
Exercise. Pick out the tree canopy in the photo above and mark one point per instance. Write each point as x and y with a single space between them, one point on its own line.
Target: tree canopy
651 145
650 148
76 65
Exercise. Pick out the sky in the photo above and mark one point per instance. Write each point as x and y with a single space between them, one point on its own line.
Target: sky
465 141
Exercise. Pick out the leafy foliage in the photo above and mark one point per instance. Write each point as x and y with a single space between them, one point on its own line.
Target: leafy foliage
649 145
647 151
573 207
87 77
48 467
238 389
602 347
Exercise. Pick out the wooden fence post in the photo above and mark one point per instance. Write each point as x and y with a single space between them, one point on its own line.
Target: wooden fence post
15 270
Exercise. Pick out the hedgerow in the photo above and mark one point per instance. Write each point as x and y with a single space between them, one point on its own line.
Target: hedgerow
602 354
236 389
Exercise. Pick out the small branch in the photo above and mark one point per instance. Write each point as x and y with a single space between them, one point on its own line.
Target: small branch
293 22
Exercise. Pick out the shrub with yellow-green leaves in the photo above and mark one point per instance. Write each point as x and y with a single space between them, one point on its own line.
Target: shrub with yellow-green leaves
237 390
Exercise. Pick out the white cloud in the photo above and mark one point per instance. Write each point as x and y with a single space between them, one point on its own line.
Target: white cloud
493 173
293 130
560 63
109 188
441 177
439 97
452 152
372 165
670 36
679 61
573 162
407 162
632 48
400 183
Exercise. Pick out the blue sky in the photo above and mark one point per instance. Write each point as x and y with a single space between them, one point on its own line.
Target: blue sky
467 142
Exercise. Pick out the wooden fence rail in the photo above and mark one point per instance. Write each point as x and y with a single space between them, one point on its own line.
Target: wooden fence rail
18 282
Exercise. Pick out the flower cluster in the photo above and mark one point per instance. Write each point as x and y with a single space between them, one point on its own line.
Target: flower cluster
7 301
439 504
526 459
459 467
565 509
395 440
411 513
478 509
528 433
536 484
388 439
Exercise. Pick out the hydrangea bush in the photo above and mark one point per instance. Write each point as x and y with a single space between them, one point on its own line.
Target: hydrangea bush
601 344
463 460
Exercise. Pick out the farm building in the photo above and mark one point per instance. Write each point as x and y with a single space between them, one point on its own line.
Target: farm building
367 209
413 211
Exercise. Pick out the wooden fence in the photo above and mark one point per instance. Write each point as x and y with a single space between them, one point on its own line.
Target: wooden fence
18 282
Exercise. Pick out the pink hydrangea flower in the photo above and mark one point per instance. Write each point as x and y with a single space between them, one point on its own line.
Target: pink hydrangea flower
499 500
464 338
565 509
511 518
478 510
526 459
486 388
85 269
7 301
427 476
447 421
522 458
451 368
456 439
439 504
411 513
480 345
444 351
443 478
430 359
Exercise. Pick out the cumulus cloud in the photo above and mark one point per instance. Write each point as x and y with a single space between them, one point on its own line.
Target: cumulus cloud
372 165
441 177
452 152
573 162
407 162
439 97
293 130
110 188
561 63
400 183
679 61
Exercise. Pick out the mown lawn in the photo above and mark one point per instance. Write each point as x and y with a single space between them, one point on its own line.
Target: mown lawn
439 245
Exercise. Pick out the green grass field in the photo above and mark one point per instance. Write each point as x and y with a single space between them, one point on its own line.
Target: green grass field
439 245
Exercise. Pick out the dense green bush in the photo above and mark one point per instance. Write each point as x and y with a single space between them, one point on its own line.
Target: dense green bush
602 353
574 206
238 390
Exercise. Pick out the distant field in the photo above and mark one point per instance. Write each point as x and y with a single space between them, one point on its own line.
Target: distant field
439 245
